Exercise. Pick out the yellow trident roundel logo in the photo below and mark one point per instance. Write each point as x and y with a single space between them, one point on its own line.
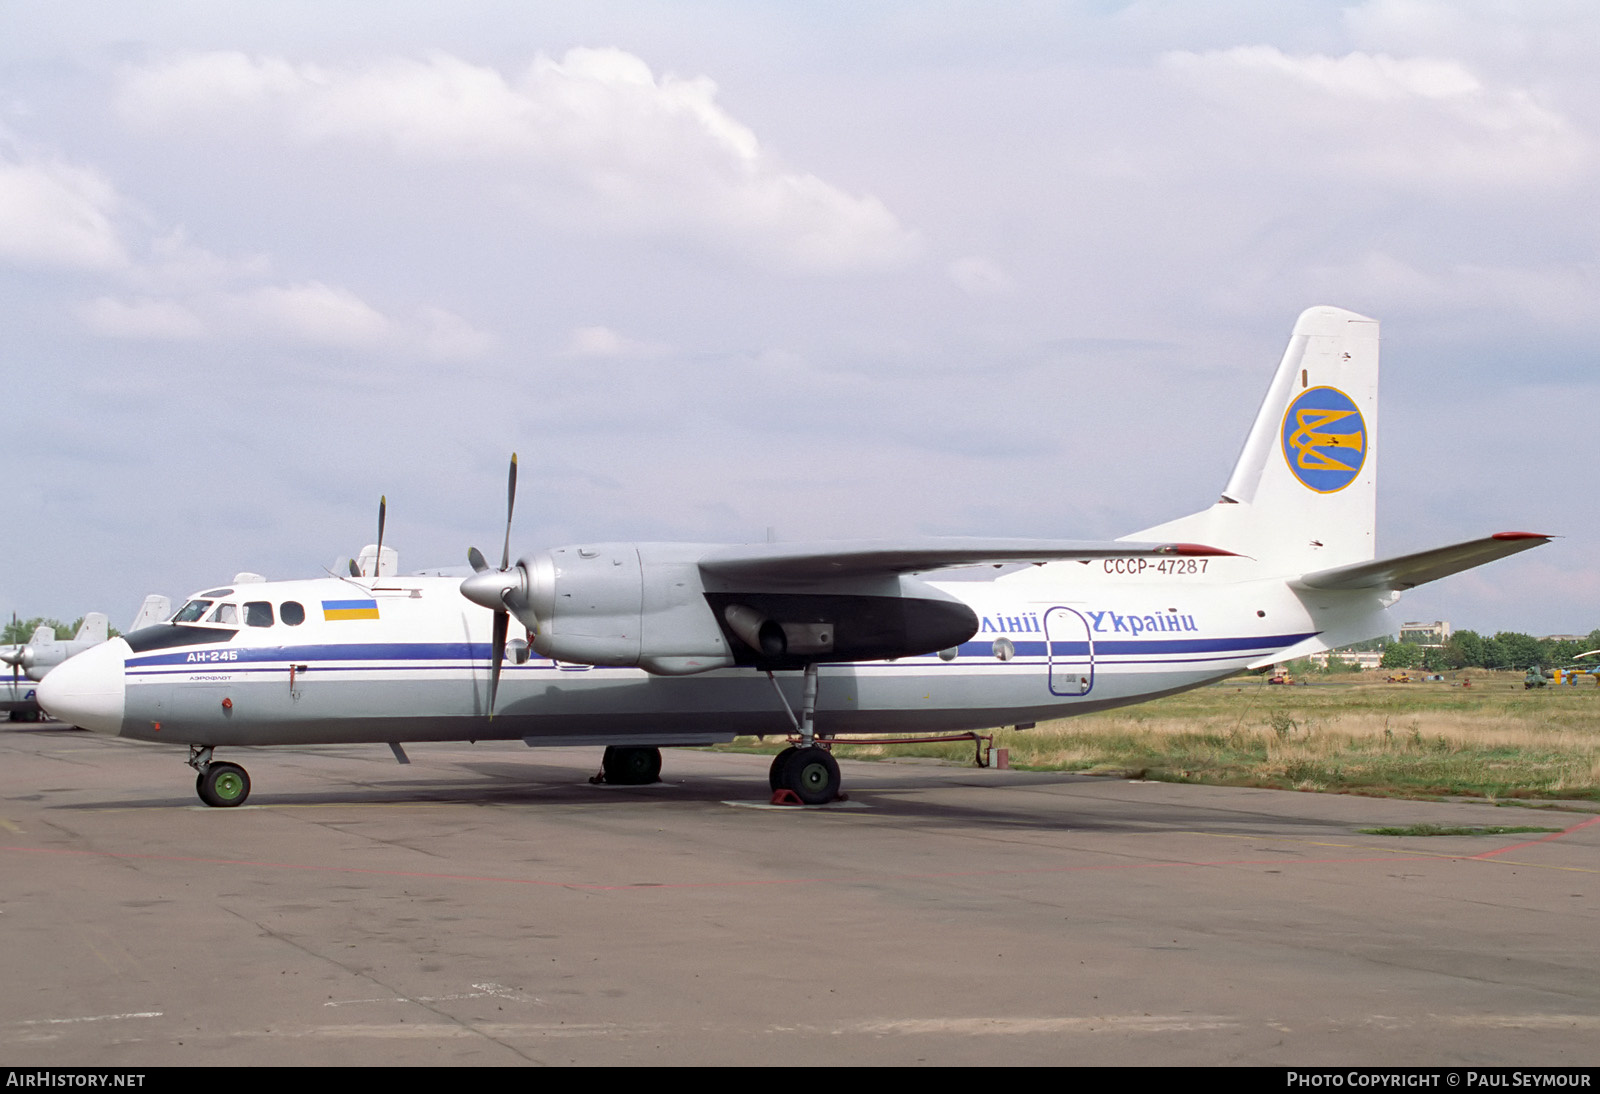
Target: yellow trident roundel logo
1324 439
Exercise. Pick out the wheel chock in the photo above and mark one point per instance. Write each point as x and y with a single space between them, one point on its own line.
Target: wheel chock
785 797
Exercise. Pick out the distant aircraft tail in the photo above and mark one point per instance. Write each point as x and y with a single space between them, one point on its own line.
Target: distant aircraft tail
371 565
155 609
94 628
1303 496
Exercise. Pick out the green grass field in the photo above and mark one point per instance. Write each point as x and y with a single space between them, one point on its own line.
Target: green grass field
1360 736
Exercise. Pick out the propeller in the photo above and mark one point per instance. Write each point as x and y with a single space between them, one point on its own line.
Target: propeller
377 561
494 588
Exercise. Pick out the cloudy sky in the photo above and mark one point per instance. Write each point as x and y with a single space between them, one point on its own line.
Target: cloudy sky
839 269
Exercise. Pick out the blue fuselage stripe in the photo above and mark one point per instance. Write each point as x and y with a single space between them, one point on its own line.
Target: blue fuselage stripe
454 656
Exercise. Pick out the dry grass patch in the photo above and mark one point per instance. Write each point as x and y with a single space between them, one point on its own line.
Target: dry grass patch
1494 740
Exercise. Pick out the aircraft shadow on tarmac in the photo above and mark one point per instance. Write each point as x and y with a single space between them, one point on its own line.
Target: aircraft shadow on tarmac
984 804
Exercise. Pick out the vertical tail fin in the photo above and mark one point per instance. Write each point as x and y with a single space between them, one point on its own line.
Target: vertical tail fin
94 628
155 609
1303 495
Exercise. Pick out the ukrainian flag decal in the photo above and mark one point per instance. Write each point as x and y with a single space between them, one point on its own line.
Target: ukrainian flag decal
1324 439
349 609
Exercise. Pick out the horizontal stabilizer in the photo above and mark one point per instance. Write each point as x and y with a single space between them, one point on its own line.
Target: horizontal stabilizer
802 562
1408 571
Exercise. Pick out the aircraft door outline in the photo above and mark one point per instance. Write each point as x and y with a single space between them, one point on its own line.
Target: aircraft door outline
1069 649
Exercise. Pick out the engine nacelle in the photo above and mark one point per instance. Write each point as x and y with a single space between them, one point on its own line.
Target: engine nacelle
649 605
622 604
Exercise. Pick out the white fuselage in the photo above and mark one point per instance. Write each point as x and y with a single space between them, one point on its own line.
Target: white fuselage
411 662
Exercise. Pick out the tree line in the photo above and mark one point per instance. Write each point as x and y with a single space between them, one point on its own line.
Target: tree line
19 632
1503 650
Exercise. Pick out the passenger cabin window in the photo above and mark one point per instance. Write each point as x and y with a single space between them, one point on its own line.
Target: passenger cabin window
258 613
226 613
192 611
291 613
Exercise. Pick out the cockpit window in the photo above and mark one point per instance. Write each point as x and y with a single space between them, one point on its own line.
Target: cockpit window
291 613
258 613
217 592
191 611
225 613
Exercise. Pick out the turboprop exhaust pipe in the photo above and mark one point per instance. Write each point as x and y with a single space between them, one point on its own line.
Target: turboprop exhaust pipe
757 631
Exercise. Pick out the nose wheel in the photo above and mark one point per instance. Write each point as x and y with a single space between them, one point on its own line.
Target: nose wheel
221 785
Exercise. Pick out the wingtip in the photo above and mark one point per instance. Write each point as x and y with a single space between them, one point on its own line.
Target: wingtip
1522 535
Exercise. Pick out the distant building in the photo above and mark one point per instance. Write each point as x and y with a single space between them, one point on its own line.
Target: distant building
1428 635
1361 659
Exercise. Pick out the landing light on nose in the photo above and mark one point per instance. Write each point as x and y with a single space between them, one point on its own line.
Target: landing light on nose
88 690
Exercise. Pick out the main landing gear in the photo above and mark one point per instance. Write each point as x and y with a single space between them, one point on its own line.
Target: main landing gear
806 774
630 766
810 774
218 784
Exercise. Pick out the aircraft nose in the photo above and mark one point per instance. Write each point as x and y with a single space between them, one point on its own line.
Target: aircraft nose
88 690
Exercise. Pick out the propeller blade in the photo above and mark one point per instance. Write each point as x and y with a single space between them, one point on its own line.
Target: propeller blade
511 502
355 571
377 563
502 623
492 592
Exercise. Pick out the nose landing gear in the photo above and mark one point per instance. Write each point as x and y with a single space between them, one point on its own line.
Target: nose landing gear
219 784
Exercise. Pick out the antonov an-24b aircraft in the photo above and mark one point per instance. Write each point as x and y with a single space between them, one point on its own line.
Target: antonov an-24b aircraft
639 645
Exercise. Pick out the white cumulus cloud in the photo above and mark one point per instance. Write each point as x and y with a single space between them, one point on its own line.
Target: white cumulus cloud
978 276
1416 119
446 336
603 342
142 318
311 313
56 214
594 137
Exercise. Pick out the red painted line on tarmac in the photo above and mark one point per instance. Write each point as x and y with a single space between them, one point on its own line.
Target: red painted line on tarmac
837 880
294 866
1541 839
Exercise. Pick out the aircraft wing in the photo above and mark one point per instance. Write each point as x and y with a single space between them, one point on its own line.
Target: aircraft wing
805 562
1407 571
